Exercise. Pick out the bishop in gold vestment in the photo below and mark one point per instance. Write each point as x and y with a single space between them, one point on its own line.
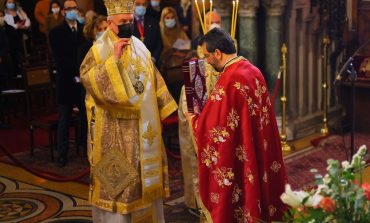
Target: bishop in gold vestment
126 101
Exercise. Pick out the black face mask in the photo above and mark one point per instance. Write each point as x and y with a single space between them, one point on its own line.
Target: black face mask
125 30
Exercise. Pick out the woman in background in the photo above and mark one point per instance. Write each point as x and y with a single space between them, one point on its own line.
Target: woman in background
174 39
55 16
19 24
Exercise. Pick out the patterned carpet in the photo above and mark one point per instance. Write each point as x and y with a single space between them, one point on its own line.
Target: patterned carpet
22 202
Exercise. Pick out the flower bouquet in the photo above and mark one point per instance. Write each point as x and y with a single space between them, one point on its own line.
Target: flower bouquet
340 196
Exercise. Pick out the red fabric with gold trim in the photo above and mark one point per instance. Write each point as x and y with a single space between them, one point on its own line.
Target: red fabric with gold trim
241 170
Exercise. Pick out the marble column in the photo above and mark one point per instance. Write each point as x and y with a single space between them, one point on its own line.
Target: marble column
248 34
273 43
223 9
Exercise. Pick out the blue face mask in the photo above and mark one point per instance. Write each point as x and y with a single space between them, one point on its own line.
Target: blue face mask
98 35
170 23
10 5
140 10
155 3
71 15
81 20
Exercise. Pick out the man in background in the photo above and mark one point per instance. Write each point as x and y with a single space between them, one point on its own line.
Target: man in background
146 28
65 40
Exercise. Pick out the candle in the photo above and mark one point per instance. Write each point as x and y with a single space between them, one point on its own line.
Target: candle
204 12
200 16
232 20
210 14
236 16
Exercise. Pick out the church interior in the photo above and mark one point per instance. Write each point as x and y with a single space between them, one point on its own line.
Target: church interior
314 56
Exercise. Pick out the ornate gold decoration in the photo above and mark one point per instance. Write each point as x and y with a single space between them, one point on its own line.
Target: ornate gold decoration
275 166
237 193
149 134
115 172
215 198
325 42
285 146
219 134
119 6
209 156
241 153
217 93
272 210
223 176
242 215
249 176
233 119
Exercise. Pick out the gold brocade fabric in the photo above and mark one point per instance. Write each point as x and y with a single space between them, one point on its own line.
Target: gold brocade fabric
188 147
116 149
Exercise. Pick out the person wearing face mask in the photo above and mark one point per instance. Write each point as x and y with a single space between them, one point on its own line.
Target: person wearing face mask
65 40
237 129
81 17
126 100
55 16
171 33
146 28
18 24
41 12
154 9
15 16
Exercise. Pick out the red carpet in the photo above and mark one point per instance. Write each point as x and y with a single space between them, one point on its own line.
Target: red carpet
299 165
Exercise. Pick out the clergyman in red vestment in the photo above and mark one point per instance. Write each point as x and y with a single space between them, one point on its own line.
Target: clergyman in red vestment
241 170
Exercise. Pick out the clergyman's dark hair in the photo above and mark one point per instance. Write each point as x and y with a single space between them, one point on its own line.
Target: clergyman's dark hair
217 38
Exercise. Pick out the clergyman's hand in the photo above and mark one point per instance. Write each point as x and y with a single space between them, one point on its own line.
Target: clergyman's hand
119 46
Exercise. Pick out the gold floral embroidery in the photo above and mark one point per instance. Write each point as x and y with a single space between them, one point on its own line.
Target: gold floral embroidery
138 64
217 93
264 178
241 153
218 134
242 215
272 210
265 119
149 134
275 166
209 156
260 91
237 193
223 176
215 198
244 91
249 176
233 119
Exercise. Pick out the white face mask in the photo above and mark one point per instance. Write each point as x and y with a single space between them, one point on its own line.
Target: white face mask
55 10
214 25
2 21
170 23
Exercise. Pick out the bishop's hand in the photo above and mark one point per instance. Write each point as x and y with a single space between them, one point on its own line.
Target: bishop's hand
119 46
